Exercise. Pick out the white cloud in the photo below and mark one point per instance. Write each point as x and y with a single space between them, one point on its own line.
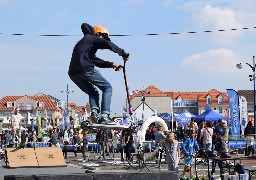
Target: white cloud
222 61
216 18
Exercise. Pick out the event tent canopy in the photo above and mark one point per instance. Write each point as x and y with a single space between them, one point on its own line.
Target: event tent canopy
166 116
210 115
184 118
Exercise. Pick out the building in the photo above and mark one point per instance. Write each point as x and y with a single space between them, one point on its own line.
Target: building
163 102
146 102
51 109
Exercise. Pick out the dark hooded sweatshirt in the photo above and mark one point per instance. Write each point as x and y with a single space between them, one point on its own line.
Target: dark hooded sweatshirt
83 56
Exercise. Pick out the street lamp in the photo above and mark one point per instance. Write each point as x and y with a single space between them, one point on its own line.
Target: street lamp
252 78
67 92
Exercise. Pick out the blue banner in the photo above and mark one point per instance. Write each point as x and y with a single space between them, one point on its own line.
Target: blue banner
234 111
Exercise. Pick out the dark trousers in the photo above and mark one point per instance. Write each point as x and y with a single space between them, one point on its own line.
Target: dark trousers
214 164
249 150
128 149
102 148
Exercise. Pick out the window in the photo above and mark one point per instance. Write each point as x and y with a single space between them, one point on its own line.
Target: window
209 100
20 106
220 100
220 110
41 104
30 106
9 104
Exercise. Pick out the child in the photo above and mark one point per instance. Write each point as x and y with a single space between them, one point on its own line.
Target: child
82 68
172 152
189 147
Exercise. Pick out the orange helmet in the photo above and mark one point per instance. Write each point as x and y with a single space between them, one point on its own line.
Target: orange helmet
98 30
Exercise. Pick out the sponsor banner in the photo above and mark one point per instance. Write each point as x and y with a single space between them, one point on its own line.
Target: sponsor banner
234 111
243 112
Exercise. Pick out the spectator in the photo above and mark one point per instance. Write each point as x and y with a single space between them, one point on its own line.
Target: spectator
159 136
199 135
249 129
115 141
8 138
15 125
172 152
189 147
249 139
180 133
76 141
3 139
54 138
101 140
225 135
207 136
128 141
85 144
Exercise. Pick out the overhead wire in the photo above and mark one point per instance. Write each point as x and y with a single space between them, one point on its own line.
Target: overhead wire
148 34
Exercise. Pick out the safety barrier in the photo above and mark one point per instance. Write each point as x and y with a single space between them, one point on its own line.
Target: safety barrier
99 176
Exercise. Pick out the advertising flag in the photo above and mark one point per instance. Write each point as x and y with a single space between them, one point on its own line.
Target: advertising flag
243 112
234 111
39 124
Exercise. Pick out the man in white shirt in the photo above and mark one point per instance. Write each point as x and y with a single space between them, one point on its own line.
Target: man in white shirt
15 125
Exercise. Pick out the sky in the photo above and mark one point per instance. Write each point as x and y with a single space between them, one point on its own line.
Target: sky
200 61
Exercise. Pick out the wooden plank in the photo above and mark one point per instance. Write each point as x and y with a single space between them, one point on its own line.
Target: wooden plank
50 156
21 157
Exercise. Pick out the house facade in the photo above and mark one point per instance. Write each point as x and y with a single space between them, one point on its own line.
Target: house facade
155 100
194 102
52 109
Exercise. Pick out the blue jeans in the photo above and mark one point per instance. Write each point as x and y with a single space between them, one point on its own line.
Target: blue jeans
87 82
208 147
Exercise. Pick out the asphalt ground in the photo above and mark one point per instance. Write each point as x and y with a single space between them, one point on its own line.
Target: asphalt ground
112 163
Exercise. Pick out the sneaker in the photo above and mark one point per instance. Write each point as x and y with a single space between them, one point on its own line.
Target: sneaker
183 177
95 113
94 116
104 119
193 177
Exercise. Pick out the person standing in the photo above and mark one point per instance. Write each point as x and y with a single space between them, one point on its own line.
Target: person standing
225 135
189 147
159 136
101 139
128 141
85 144
15 125
76 141
54 138
172 152
207 136
249 139
82 68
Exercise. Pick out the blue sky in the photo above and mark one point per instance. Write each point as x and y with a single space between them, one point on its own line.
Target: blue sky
201 61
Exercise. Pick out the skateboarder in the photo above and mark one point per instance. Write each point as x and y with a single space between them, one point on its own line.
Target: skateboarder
82 68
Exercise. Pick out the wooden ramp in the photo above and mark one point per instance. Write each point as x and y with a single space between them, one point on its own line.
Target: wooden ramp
21 157
51 156
38 157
